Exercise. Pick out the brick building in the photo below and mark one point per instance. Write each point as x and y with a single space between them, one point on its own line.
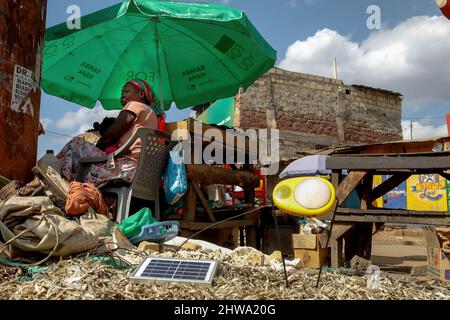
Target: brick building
314 112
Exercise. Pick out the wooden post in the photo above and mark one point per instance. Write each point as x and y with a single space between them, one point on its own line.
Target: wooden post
22 27
336 241
189 206
203 201
366 202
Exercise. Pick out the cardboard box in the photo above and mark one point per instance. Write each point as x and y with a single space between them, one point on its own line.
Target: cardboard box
438 258
310 249
270 241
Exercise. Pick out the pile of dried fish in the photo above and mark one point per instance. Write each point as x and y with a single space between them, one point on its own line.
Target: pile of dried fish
8 273
85 279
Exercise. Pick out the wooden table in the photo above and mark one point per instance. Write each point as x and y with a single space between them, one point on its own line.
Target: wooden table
207 174
362 168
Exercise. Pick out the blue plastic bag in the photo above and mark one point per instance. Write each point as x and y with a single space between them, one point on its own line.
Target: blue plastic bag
175 178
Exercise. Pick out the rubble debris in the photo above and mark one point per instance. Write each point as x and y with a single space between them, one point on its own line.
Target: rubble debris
149 246
191 246
419 271
9 191
275 256
359 264
249 255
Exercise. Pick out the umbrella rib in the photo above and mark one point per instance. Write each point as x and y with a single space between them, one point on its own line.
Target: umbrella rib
211 23
120 57
167 70
212 53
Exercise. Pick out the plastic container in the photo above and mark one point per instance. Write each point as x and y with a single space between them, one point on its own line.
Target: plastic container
157 232
50 160
373 277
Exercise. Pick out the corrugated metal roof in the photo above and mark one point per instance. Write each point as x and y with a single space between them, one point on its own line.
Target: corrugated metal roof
408 146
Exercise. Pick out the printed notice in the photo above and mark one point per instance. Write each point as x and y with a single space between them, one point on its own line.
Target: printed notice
23 83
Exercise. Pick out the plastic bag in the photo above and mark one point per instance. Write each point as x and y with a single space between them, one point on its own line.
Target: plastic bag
373 277
175 177
132 225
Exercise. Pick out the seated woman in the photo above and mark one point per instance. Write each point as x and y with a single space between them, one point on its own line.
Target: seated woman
138 112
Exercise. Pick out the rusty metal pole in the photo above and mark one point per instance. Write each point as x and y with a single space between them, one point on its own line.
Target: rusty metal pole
22 27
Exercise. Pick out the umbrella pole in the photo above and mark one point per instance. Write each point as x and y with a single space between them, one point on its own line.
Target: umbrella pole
158 63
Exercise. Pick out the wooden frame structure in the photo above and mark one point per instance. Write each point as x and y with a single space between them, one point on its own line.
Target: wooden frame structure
361 169
206 174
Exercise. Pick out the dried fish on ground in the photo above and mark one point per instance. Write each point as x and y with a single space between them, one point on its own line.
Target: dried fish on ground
234 280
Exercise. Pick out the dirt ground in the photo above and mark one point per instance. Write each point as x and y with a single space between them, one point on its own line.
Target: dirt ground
398 250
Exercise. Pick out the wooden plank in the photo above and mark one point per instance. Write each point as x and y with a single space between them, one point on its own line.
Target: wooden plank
392 212
226 224
348 185
445 175
335 178
339 229
336 252
336 240
394 154
388 185
187 129
251 239
394 219
386 162
217 175
191 202
204 202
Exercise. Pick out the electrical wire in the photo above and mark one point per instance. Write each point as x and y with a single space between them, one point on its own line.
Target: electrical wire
59 134
215 224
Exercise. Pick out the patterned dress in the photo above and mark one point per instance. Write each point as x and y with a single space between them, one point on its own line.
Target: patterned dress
99 173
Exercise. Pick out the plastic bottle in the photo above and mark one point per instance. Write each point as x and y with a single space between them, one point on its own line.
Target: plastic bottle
373 277
50 160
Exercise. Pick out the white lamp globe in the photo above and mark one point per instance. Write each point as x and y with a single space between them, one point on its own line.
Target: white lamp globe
312 193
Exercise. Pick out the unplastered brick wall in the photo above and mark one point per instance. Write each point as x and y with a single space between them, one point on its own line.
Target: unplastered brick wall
313 112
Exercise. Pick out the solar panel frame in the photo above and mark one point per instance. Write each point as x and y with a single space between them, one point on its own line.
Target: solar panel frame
155 269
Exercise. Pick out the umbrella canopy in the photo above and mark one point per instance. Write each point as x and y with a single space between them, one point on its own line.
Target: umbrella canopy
220 113
306 166
190 53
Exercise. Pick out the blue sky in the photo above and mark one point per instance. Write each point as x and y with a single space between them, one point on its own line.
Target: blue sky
306 34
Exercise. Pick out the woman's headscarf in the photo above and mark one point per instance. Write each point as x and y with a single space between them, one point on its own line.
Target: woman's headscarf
150 98
144 87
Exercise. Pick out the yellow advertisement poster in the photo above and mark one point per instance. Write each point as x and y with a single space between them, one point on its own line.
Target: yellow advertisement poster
426 192
377 180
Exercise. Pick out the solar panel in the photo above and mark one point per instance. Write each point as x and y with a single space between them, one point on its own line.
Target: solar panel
169 269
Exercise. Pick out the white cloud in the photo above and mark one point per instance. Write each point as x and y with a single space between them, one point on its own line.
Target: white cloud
422 131
46 122
411 58
83 119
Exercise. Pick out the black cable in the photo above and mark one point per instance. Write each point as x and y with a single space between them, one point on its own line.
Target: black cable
328 240
214 224
279 246
59 134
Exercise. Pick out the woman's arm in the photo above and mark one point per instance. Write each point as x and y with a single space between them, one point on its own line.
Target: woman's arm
119 127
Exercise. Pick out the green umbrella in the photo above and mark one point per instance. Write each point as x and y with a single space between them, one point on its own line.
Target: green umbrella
190 53
220 112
